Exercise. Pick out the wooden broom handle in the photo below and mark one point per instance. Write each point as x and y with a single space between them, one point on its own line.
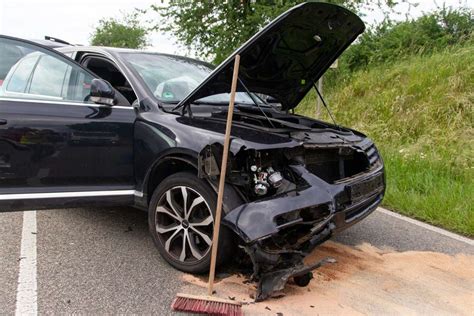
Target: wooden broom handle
220 194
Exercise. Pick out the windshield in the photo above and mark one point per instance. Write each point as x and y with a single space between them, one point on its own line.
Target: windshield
172 78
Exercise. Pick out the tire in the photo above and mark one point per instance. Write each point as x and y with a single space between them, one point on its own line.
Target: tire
168 227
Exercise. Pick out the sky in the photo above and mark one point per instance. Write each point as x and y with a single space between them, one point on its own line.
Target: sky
74 21
71 20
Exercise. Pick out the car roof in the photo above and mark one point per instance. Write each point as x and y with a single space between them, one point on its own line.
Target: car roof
115 51
106 49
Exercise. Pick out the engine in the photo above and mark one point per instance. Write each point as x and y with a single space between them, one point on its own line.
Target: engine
264 179
257 174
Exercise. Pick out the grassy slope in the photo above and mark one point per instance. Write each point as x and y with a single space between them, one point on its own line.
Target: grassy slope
419 112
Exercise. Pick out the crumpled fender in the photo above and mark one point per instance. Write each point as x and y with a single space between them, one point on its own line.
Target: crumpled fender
254 220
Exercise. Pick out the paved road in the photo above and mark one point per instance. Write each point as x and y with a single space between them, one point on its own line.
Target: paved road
103 261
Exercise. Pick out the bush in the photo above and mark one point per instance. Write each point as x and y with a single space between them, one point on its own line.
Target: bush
394 41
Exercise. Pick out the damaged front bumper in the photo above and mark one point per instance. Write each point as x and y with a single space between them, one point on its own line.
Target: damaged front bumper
280 231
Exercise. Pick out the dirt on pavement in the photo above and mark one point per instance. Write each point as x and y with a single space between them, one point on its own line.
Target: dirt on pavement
365 280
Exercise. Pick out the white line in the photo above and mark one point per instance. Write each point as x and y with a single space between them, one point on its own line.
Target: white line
26 293
427 226
23 196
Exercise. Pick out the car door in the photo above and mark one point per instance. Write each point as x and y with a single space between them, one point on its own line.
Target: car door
57 148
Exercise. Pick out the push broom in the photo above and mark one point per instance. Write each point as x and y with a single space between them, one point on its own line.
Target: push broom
209 304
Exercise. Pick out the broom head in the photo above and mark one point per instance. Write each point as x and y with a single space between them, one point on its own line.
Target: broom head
206 305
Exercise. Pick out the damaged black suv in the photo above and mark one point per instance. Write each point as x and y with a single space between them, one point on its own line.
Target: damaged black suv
106 126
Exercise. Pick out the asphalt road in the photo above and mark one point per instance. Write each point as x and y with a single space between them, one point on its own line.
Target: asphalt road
103 260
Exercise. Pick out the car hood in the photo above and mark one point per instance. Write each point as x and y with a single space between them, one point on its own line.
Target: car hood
288 55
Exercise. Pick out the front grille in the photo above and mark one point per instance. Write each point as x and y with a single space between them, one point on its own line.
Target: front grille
372 154
334 164
361 208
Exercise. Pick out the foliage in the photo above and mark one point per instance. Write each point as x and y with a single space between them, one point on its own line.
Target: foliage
391 41
214 29
125 32
419 111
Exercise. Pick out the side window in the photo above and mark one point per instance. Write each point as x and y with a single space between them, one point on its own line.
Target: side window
31 72
49 77
21 74
107 70
80 85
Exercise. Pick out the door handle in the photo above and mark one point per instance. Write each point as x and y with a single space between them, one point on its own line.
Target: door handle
3 122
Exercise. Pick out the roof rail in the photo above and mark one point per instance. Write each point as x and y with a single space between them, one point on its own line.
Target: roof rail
57 40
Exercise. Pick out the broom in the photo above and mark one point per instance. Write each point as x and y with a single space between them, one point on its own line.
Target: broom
209 304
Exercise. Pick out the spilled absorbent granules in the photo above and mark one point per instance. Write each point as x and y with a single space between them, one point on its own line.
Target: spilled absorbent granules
365 280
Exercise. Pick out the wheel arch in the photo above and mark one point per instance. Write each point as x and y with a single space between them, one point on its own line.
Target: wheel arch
177 160
167 164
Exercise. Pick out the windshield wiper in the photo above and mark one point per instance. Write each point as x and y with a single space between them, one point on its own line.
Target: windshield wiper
197 102
163 106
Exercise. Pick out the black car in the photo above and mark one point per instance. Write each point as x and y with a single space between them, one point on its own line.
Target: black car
107 126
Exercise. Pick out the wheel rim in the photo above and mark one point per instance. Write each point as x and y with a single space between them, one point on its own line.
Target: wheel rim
184 224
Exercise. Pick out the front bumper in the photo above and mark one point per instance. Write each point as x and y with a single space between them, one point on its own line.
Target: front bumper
317 203
279 232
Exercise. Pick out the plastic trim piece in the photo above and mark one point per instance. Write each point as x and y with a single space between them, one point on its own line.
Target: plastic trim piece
28 196
3 98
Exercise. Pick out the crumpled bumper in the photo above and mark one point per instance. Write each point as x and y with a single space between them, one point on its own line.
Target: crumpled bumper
261 219
280 231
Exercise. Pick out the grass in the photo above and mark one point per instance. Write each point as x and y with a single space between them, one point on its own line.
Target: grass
419 111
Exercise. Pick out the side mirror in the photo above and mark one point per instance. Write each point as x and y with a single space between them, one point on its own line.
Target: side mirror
102 92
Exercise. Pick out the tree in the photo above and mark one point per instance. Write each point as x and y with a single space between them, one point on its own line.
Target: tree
214 29
125 32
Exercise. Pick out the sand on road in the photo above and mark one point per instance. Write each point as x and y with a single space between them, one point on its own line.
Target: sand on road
365 280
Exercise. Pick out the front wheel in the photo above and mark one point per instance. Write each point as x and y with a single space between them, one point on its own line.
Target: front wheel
181 220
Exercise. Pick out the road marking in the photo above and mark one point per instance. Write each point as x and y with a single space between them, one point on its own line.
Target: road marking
26 293
427 226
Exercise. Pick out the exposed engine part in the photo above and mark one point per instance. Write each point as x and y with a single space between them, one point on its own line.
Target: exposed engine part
260 189
265 179
254 173
274 178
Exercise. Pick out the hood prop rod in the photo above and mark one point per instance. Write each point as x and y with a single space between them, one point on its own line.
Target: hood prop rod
255 102
325 105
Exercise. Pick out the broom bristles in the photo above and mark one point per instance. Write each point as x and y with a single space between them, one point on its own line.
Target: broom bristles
206 305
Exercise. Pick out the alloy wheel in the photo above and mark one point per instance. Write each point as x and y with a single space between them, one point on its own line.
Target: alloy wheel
184 224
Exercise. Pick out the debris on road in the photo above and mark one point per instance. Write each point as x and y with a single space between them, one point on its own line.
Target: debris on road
366 280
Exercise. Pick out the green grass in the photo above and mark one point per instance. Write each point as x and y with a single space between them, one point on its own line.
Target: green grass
419 111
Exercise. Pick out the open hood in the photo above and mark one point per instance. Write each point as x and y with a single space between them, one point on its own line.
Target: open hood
288 55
